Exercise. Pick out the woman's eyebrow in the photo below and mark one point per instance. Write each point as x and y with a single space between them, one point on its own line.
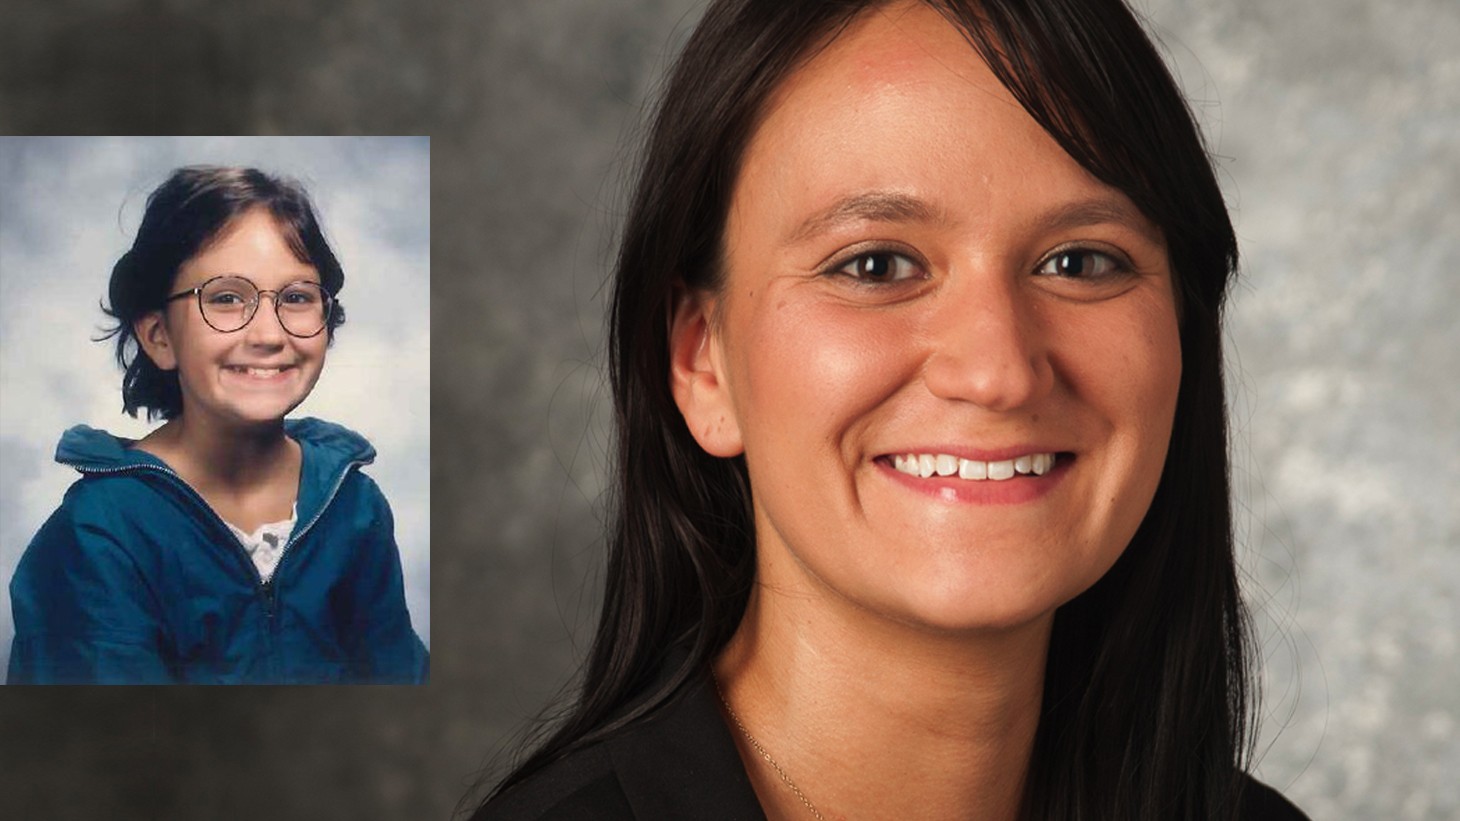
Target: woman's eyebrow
1098 211
871 206
893 206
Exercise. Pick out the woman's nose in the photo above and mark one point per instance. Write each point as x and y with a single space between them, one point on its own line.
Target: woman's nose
988 346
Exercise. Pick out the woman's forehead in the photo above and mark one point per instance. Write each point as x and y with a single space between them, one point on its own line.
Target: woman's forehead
900 114
887 48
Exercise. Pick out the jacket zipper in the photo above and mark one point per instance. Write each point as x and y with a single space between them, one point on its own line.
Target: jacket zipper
300 532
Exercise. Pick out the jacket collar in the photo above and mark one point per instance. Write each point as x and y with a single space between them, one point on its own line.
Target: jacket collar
328 448
90 450
329 452
328 445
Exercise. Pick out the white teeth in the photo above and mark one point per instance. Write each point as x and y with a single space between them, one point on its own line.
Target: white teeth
972 469
924 465
259 372
947 465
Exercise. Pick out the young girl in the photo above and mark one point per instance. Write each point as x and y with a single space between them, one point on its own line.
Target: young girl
229 545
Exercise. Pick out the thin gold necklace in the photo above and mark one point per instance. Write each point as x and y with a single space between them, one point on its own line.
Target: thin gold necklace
763 754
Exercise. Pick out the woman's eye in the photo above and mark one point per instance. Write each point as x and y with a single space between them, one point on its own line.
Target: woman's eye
1081 263
881 266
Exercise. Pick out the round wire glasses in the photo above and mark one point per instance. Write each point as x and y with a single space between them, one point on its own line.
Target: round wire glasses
229 302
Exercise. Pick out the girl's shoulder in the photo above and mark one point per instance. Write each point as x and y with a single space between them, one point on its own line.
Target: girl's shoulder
125 500
116 478
93 451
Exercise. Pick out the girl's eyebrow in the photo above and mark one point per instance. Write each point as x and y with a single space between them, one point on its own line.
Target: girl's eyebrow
872 206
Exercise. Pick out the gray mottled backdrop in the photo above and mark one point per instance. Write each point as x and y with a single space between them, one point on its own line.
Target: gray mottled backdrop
1337 121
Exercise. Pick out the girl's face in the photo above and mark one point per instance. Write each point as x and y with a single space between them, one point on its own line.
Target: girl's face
924 295
250 376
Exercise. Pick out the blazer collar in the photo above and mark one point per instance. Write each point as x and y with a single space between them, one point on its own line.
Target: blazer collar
682 761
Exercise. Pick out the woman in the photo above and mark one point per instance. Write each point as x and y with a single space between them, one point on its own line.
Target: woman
229 545
922 498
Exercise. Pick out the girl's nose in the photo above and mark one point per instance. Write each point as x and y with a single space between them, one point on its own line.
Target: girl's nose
989 347
265 328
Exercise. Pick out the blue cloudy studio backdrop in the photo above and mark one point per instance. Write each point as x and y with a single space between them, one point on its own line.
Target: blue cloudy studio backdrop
69 207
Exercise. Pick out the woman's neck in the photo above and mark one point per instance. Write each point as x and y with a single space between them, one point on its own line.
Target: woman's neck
874 719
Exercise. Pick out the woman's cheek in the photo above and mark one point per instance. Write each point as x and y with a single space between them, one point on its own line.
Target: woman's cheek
823 363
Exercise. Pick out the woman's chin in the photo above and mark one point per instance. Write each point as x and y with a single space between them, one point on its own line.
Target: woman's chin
944 603
971 615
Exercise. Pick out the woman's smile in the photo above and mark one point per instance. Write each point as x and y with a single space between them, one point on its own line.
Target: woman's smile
995 481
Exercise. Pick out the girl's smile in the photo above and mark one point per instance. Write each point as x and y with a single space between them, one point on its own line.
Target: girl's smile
262 373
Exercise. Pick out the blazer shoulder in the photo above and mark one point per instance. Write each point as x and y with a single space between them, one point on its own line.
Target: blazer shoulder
581 786
1262 803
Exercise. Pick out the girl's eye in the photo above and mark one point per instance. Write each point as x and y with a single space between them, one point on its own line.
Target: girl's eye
881 266
225 299
1081 263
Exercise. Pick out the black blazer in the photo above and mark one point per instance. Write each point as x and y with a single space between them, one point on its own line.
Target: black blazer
681 763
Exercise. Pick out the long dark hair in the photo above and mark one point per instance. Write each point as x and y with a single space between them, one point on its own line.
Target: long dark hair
1146 700
184 214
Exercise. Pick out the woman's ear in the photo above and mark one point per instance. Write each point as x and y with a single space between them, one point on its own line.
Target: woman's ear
151 332
697 376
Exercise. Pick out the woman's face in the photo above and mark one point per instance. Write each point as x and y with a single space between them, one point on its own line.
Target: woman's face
921 281
257 374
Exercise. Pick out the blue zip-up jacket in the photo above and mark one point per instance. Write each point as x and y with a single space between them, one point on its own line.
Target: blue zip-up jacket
135 580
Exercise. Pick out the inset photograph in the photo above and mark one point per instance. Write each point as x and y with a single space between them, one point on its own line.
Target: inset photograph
215 410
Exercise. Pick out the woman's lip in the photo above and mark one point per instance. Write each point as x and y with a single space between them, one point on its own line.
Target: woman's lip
1021 488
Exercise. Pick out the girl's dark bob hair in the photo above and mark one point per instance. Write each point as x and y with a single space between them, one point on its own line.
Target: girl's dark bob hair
1146 708
183 215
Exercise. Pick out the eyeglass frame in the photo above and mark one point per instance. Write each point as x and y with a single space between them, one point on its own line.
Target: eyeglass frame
329 303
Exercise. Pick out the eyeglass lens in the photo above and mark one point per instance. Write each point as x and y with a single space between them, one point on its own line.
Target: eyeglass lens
229 303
